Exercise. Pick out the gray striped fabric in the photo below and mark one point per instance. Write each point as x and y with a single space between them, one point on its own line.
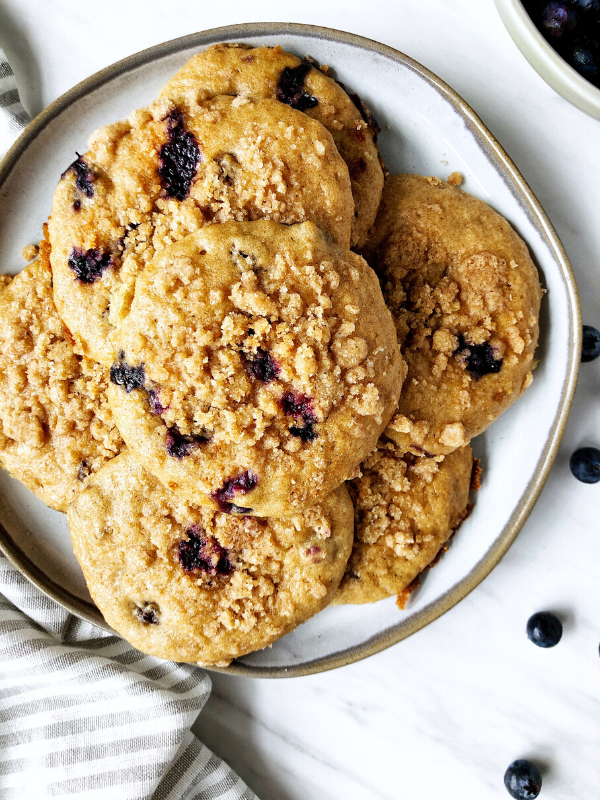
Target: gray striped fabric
83 714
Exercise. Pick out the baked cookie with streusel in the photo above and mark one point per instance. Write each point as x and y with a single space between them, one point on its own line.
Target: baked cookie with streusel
56 427
243 71
405 510
190 584
169 170
256 368
465 296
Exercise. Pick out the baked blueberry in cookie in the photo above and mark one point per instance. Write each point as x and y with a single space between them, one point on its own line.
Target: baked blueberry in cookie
202 553
89 265
300 407
479 359
127 376
179 158
84 179
290 88
262 366
148 613
179 445
240 484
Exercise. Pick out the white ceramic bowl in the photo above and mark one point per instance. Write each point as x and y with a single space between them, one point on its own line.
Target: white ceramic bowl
426 128
546 61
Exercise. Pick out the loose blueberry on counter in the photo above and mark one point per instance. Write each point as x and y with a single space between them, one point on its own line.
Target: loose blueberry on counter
122 374
89 265
203 553
479 358
180 444
585 464
148 613
240 484
590 349
179 158
262 366
523 780
290 88
544 629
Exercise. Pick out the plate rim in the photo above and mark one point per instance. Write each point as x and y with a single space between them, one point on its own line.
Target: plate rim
529 204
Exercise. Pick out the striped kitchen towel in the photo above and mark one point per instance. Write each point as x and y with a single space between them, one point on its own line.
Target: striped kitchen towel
83 714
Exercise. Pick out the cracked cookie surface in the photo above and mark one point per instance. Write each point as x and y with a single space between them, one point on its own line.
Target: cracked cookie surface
465 297
189 584
257 367
237 69
56 427
169 170
405 510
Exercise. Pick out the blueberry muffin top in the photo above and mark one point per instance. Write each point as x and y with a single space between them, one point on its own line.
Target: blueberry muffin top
405 510
256 368
242 71
465 297
167 171
56 427
190 584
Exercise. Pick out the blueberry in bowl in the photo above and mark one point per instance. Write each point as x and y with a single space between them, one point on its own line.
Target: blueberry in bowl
561 41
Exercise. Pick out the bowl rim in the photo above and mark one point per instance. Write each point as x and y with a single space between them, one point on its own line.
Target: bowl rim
529 204
550 66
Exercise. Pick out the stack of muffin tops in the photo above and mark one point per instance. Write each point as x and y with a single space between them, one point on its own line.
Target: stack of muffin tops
197 362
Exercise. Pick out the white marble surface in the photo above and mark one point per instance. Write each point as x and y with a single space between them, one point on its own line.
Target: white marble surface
443 713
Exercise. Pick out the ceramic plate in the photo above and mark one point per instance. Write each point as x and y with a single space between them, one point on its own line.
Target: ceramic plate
427 129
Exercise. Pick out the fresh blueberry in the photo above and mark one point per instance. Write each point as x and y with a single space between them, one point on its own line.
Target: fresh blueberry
179 445
523 780
586 62
290 88
240 484
544 629
585 464
89 265
179 158
590 349
557 19
479 359
262 366
203 553
122 374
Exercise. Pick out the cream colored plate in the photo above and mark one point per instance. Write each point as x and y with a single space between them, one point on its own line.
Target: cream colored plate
427 129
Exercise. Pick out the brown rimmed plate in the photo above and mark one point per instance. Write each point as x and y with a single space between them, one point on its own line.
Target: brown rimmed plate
428 129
